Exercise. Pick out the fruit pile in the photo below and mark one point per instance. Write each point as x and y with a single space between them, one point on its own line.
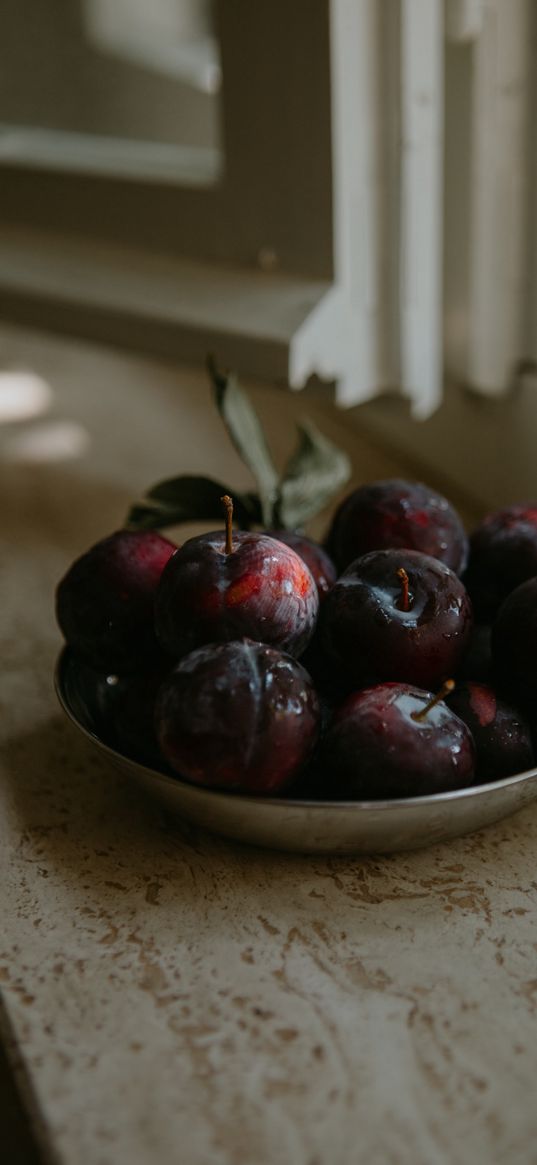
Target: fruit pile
398 660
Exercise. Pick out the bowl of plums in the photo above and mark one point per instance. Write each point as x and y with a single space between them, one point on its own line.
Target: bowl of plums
373 694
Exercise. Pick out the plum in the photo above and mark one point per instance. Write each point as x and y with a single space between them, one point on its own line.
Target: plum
130 714
514 643
395 513
396 615
223 586
503 554
104 604
395 740
238 716
476 663
501 735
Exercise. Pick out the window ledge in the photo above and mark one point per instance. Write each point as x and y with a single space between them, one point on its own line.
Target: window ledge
107 156
169 306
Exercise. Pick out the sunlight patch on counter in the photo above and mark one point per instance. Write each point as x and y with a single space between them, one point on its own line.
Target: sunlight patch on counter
23 395
48 441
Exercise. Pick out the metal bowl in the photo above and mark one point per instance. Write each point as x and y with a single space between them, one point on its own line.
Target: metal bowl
328 827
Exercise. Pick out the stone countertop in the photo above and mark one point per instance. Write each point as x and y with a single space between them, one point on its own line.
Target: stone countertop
174 997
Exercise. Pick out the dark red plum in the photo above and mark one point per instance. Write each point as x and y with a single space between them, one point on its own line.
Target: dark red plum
130 715
389 514
501 735
503 554
104 604
388 741
238 716
514 643
396 615
476 663
315 557
261 590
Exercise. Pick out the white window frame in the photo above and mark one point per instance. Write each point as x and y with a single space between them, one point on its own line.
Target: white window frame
280 231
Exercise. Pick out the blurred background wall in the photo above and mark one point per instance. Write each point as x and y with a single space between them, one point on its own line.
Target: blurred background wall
336 190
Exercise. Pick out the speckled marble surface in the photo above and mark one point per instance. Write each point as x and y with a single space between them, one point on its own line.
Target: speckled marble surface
176 998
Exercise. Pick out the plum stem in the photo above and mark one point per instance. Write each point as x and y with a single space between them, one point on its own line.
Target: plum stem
444 691
404 600
228 503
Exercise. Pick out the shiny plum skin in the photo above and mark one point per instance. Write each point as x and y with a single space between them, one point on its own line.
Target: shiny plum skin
501 736
365 633
514 643
374 748
262 590
503 554
238 716
104 604
393 513
318 561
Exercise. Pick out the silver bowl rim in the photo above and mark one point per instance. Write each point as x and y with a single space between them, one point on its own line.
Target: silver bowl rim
217 795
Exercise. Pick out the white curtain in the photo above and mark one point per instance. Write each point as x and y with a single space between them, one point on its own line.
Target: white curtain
434 182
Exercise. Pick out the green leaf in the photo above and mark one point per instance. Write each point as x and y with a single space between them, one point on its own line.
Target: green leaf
315 472
190 499
247 435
